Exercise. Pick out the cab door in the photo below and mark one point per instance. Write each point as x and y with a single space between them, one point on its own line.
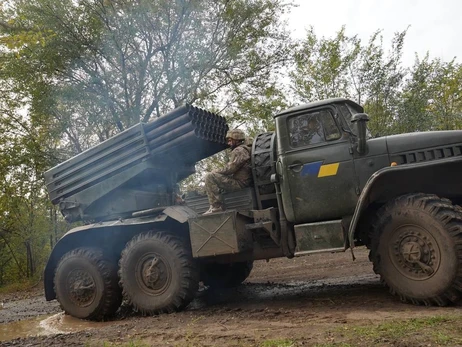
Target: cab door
316 165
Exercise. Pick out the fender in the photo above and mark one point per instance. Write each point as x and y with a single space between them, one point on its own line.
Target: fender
119 231
424 177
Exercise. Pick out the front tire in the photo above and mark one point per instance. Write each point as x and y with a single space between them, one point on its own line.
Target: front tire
417 249
158 273
86 285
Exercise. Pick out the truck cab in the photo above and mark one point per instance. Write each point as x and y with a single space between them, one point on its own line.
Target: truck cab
327 164
315 160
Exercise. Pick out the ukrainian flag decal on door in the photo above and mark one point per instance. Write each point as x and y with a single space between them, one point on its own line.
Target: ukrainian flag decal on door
319 170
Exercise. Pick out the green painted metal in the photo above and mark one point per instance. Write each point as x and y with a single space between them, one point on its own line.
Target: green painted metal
219 233
319 236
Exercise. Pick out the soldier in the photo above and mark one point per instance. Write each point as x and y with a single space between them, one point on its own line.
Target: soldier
311 132
236 175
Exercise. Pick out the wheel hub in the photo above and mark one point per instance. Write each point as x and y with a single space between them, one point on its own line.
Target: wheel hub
82 287
411 251
154 275
414 254
151 273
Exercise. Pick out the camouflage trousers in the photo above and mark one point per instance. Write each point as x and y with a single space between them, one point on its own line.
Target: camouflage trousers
215 183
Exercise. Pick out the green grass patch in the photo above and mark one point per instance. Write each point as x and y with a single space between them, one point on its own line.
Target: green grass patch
277 343
439 330
135 343
20 286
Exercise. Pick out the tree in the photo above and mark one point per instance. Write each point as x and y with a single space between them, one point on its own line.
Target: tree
431 97
413 111
377 79
322 66
343 67
446 102
106 65
24 226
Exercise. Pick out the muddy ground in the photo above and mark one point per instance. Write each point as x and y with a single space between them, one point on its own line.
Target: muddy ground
317 300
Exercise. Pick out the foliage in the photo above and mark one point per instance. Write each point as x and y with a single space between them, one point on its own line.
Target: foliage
424 97
256 107
26 233
431 97
380 80
106 65
322 66
343 67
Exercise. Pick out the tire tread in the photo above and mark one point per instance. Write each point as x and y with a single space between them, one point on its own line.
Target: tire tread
448 215
189 280
113 295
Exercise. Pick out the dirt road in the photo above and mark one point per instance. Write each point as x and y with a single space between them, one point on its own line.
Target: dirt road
317 300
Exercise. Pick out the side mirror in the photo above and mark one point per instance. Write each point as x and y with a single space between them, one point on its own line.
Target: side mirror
361 119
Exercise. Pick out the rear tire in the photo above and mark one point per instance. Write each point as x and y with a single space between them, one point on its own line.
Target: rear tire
86 285
225 275
417 249
157 273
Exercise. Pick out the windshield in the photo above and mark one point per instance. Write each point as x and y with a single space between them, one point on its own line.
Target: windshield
348 111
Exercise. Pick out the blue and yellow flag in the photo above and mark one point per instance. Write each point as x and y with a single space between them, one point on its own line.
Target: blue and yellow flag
319 170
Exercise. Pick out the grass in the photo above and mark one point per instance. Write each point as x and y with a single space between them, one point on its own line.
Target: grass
21 286
113 344
433 331
277 343
440 330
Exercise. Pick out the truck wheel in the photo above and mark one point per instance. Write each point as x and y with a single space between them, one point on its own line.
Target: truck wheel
417 249
158 273
225 275
86 285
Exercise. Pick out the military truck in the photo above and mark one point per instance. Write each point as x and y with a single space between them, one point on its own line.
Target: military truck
321 183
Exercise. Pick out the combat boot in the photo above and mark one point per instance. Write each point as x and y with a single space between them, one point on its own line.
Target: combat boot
213 209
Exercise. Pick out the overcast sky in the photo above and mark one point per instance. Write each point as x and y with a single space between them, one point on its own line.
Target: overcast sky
434 26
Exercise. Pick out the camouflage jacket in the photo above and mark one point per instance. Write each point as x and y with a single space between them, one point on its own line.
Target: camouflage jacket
239 166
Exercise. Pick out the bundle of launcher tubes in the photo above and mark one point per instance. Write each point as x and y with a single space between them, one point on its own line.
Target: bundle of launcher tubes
187 133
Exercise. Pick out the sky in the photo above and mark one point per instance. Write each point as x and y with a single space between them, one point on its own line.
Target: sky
435 26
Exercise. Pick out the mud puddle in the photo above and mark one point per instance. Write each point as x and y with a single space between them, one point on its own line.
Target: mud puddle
266 293
46 325
25 328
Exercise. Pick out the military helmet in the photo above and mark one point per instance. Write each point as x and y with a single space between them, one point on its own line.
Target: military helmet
235 134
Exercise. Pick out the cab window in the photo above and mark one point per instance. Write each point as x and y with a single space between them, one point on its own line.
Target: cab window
312 128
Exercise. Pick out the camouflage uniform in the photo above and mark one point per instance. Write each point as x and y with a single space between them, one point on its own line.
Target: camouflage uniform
236 175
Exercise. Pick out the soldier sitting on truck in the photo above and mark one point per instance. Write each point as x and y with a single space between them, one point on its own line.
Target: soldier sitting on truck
236 175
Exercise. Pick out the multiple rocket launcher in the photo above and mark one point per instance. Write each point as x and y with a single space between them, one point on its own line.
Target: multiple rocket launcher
135 162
